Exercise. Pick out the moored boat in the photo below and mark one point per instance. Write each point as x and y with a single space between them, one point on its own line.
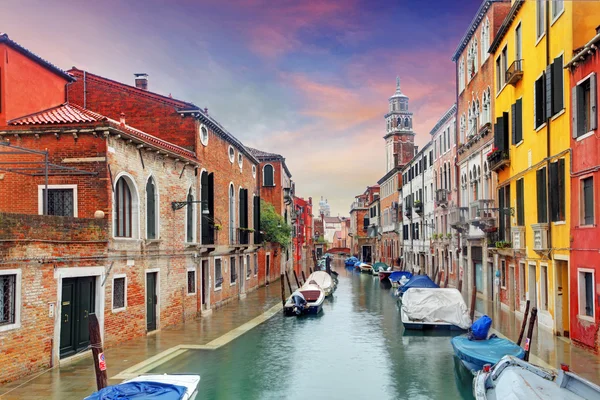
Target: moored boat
513 378
385 274
474 354
399 278
350 261
379 266
306 300
365 267
417 281
324 280
167 387
434 308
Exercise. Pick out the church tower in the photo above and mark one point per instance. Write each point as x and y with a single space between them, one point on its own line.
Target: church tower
399 137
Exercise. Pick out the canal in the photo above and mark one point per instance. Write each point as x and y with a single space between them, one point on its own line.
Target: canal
355 349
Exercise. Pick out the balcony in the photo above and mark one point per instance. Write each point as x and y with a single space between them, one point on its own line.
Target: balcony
518 237
540 236
514 73
419 207
408 211
481 214
498 160
441 198
458 218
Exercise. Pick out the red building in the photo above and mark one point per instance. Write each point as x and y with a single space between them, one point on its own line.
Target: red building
361 245
303 234
585 177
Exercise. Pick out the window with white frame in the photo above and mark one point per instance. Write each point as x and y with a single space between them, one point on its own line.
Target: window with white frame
151 209
232 271
231 153
544 287
240 160
218 273
557 8
247 267
62 200
586 293
10 299
203 135
485 40
522 291
191 281
540 13
255 264
587 201
503 273
584 100
461 75
119 293
126 209
190 221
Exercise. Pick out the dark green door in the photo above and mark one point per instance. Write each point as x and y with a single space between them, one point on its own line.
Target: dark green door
78 302
151 301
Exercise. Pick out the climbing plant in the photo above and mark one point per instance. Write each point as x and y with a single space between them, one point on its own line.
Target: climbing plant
273 226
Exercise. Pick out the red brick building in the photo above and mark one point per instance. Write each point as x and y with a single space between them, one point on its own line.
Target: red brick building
361 245
303 238
276 188
584 275
144 221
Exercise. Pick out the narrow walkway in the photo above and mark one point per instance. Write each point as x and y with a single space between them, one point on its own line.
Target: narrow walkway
77 380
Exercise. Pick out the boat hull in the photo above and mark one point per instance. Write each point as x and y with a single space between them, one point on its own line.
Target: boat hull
474 354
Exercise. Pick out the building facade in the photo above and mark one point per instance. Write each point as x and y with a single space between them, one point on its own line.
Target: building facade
303 237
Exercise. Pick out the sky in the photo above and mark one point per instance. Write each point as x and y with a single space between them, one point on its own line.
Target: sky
309 80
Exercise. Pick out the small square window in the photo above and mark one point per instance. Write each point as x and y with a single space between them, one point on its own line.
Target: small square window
119 293
191 281
586 293
231 154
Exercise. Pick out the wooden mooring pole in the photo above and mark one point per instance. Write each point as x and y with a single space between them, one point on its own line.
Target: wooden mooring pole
524 323
446 281
97 353
303 277
460 286
473 300
287 278
282 291
310 269
296 277
530 333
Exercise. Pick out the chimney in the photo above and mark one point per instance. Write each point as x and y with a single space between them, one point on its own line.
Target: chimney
310 201
416 150
122 119
206 110
141 81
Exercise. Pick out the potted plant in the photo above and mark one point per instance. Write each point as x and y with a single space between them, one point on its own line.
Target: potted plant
218 227
448 236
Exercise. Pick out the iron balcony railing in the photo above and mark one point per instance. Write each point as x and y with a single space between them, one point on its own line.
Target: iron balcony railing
441 197
498 159
481 210
514 73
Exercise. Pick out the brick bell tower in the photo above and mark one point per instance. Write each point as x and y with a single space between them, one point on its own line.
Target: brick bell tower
399 137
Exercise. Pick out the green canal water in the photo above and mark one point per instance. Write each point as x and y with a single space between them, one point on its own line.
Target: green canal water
355 349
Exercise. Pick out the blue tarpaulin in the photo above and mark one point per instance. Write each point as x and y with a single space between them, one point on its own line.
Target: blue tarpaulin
140 390
418 281
397 275
476 353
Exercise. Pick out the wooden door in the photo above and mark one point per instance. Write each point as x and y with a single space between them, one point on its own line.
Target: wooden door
85 307
78 302
151 301
67 318
204 283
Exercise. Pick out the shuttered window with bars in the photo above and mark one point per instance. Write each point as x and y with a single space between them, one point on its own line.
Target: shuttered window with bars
557 194
542 208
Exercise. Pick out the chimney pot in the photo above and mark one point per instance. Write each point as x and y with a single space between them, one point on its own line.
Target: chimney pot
206 110
141 81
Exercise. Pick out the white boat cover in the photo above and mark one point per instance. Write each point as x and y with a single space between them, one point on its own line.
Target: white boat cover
436 305
322 279
190 382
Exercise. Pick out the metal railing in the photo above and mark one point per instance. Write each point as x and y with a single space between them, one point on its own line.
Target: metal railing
514 73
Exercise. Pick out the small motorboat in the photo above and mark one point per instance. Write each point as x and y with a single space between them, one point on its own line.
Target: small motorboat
365 267
379 266
417 281
399 278
306 300
167 387
474 354
434 308
385 274
357 265
350 261
324 280
512 378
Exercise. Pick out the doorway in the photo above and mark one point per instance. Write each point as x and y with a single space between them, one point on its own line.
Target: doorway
205 279
562 299
367 254
478 276
151 301
267 268
78 302
531 286
512 288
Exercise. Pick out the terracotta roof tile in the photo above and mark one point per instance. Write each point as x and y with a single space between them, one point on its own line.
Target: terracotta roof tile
63 114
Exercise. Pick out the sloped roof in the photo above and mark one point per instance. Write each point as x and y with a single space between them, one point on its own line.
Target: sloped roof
5 39
264 156
63 114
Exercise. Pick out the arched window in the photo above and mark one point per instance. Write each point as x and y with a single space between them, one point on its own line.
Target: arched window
126 208
406 123
268 178
477 113
151 209
190 218
461 75
232 214
463 128
475 57
398 122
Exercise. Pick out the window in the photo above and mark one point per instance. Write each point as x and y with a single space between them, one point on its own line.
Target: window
522 281
585 114
504 63
231 154
125 209
231 214
520 203
151 210
254 171
518 42
557 8
461 75
499 78
556 175
62 200
218 274
540 101
540 18
240 160
517 121
268 178
119 294
190 218
544 287
191 281
587 202
232 271
255 264
542 209
8 299
247 265
586 293
555 98
203 135
503 273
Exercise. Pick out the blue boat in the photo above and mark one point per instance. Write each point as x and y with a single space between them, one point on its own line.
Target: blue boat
397 277
351 261
152 386
474 354
417 281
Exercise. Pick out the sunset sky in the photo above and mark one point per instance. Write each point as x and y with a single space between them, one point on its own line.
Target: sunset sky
306 79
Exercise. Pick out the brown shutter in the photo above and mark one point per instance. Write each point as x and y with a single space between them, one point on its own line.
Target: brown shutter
557 85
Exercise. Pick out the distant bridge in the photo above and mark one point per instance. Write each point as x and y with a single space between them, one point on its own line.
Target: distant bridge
339 250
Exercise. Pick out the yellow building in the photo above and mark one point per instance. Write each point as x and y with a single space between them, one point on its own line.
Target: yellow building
532 120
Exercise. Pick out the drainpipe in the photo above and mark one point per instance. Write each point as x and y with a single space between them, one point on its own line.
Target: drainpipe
548 136
84 90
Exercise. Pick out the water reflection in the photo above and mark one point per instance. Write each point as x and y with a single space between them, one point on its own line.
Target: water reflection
356 349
